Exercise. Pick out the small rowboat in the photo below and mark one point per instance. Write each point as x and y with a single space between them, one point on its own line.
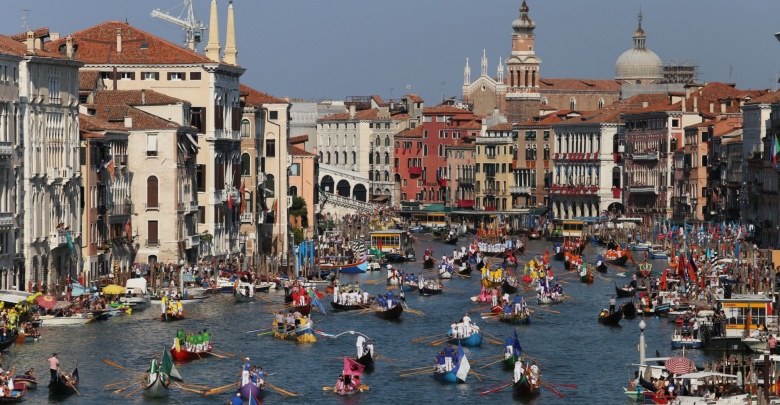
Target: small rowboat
587 278
548 300
601 267
619 261
391 313
11 338
170 317
613 319
515 319
181 354
428 290
445 275
474 340
241 297
64 385
524 388
303 309
351 307
465 271
409 286
249 390
624 293
509 288
451 240
644 269
303 333
156 385
628 309
428 263
17 395
29 381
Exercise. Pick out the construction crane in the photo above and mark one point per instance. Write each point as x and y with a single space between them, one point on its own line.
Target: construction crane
193 29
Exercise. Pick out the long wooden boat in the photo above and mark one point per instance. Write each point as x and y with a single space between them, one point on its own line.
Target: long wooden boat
628 309
349 268
170 317
624 293
250 390
465 271
613 319
426 291
451 376
181 354
393 280
428 263
64 386
559 255
303 309
601 267
509 288
29 381
392 313
156 385
524 388
548 300
367 361
241 297
343 307
587 278
620 261
445 275
451 240
395 257
514 319
409 286
303 333
474 340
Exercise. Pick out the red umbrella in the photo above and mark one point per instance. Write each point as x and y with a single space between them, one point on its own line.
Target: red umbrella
680 365
46 301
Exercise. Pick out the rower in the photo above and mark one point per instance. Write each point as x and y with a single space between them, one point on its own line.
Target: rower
361 341
280 320
509 349
206 339
245 372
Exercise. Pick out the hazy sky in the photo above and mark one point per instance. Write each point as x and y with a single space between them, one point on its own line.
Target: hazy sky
335 48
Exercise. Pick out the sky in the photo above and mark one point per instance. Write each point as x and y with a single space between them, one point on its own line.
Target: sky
331 49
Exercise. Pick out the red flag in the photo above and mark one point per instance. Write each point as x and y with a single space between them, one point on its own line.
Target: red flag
691 274
243 200
230 201
379 244
276 209
129 231
351 367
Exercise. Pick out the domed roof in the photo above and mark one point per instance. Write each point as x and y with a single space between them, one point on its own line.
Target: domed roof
524 21
638 64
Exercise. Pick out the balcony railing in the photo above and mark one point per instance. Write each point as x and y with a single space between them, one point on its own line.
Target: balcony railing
645 156
519 190
489 191
6 219
415 171
490 156
120 209
58 238
643 189
120 160
246 218
193 205
192 241
6 149
466 180
152 207
149 242
465 203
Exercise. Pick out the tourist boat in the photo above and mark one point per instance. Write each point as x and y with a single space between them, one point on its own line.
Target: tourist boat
367 360
251 390
524 388
566 229
644 269
156 385
548 300
683 337
348 268
64 385
616 258
30 382
303 333
613 319
452 239
348 307
624 292
76 319
409 286
628 309
459 372
473 340
390 313
182 354
396 244
519 318
17 394
136 294
428 262
169 316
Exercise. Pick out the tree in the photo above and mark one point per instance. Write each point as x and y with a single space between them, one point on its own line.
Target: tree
297 235
300 211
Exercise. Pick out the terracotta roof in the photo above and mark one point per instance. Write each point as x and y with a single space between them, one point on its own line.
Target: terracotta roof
714 92
611 113
90 135
299 139
417 132
414 98
578 84
471 124
135 97
769 98
544 121
258 98
90 123
296 151
501 127
11 47
378 100
370 114
445 109
37 33
140 119
88 79
97 45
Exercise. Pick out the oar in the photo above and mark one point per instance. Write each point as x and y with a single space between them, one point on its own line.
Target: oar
187 389
415 373
564 385
217 355
110 363
496 389
281 391
219 389
426 338
224 353
122 389
475 375
265 333
256 330
490 364
548 310
119 383
380 357
552 389
327 388
128 395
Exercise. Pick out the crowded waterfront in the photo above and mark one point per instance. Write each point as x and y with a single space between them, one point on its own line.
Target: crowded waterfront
283 344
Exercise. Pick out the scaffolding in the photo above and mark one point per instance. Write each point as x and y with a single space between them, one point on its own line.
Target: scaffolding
680 71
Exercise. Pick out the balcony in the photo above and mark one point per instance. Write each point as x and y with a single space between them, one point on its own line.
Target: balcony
616 192
520 190
489 191
120 209
193 206
246 218
120 160
415 171
465 204
490 156
151 243
643 189
465 180
645 156
6 219
58 239
6 149
192 241
53 175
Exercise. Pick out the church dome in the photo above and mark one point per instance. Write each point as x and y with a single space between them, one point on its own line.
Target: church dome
523 22
639 63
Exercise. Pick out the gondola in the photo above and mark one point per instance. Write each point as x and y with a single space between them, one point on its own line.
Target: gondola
64 385
367 361
524 388
508 288
612 245
465 271
395 257
430 291
534 235
428 263
343 307
620 261
601 267
241 297
560 255
628 309
390 314
623 293
156 385
10 339
613 319
451 240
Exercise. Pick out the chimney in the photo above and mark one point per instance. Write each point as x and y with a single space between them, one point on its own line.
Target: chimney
30 42
687 92
128 122
143 97
696 103
712 107
645 104
69 46
212 48
722 107
231 52
54 36
118 40
351 111
683 105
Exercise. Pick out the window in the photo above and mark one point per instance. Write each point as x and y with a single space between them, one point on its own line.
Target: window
127 76
704 161
293 191
151 193
150 76
572 103
295 170
197 120
246 129
704 136
151 144
201 215
200 178
269 186
245 165
273 115
675 123
152 233
270 148
175 76
194 75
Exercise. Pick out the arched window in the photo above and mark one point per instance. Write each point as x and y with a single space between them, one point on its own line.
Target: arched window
370 175
377 159
376 176
152 199
269 186
245 128
601 103
572 103
328 162
387 175
321 157
245 164
387 158
336 157
387 141
293 191
344 154
354 158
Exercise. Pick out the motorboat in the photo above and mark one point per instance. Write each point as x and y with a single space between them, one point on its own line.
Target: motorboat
136 294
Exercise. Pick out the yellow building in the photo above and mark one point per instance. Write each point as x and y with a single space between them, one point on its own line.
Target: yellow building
494 174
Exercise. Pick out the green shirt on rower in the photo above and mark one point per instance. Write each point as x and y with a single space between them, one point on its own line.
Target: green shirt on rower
199 339
206 337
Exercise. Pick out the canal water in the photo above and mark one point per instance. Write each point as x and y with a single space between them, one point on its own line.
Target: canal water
571 347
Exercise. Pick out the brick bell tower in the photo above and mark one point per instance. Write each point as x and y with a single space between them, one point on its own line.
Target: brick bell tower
523 98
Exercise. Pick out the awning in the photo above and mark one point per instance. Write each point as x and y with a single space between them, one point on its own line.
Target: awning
380 198
12 299
194 143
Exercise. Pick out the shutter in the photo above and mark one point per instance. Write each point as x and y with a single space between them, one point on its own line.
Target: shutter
219 176
132 75
151 145
156 75
236 176
151 192
183 76
153 232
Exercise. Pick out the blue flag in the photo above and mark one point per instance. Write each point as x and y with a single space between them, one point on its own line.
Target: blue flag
70 241
316 301
516 346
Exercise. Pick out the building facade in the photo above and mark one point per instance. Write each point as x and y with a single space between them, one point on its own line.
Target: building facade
461 177
494 174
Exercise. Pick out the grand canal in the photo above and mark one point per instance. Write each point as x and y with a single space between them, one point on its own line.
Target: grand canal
571 347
